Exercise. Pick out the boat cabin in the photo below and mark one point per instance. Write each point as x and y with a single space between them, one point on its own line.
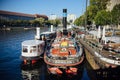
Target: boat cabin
47 36
32 49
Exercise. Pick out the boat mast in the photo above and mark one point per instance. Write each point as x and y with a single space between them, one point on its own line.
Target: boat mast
65 22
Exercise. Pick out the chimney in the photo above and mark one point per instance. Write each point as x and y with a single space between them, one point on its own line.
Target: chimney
65 22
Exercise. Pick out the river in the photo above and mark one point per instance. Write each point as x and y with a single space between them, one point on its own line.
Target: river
11 64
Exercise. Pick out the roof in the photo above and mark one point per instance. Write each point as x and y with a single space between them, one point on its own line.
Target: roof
32 42
48 32
22 14
15 13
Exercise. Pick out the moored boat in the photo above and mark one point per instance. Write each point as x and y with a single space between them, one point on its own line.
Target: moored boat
32 50
105 53
65 53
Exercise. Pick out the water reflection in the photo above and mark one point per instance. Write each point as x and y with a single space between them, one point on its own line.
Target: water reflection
10 68
65 76
103 74
39 71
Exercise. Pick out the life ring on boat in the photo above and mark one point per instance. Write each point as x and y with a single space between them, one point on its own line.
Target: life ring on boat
64 49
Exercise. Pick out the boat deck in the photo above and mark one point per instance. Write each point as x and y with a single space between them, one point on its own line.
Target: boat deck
99 50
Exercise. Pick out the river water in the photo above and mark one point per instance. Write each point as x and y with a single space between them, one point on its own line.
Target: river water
11 67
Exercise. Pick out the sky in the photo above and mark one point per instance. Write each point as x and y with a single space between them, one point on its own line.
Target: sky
45 7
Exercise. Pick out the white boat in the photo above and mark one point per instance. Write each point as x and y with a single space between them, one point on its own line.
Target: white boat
32 50
49 36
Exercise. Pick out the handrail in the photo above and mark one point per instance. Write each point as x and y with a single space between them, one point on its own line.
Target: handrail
68 60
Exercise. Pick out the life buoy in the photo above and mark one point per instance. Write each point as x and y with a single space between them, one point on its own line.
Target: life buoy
63 49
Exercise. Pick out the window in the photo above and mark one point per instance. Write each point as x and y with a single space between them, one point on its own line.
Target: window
39 48
33 49
25 49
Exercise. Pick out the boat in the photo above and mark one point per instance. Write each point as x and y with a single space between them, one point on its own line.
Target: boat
47 35
104 53
64 54
32 51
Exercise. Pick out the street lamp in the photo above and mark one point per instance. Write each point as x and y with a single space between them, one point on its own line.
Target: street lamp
86 16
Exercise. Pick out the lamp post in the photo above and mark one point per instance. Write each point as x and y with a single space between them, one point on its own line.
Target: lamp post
86 16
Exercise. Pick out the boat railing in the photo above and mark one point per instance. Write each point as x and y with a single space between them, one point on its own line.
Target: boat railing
67 60
99 49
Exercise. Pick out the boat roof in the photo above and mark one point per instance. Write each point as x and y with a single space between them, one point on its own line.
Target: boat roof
32 42
48 32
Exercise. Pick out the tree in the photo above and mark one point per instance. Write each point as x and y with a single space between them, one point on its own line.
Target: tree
103 18
116 14
40 21
54 22
94 7
80 21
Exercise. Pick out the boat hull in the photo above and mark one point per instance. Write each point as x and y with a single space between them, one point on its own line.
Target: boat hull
60 68
96 60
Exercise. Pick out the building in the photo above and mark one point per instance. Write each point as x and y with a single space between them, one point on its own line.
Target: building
110 6
71 18
112 3
7 15
52 17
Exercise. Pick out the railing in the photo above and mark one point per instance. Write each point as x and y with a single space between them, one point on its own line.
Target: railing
63 60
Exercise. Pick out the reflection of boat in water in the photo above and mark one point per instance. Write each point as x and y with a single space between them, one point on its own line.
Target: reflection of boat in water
64 54
34 72
65 76
105 54
102 74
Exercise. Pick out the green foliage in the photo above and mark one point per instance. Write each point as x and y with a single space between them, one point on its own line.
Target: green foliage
39 21
103 18
54 22
93 12
94 8
116 14
80 21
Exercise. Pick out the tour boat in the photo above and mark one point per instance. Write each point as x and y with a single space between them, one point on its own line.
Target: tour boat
32 50
105 53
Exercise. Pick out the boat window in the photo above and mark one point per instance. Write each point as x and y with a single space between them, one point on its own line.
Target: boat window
39 48
33 49
25 49
71 45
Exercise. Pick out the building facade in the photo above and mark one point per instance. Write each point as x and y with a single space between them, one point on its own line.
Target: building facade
52 17
112 3
7 15
71 18
13 19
